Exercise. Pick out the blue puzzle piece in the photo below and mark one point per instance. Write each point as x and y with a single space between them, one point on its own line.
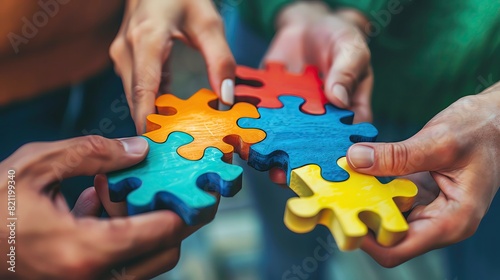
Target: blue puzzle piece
165 180
295 139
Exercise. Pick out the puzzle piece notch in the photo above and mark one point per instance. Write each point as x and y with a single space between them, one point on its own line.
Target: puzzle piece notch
264 87
348 207
208 126
295 139
165 180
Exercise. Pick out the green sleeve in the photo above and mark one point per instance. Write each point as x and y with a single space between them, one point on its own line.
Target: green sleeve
261 14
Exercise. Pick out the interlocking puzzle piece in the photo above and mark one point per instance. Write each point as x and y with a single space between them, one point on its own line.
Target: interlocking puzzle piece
209 127
165 180
348 207
295 139
277 82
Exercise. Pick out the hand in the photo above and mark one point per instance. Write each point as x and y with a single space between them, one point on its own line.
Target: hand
143 44
309 33
52 243
460 149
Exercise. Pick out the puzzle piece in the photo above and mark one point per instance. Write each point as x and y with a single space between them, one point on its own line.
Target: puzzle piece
295 139
348 207
165 180
275 82
209 127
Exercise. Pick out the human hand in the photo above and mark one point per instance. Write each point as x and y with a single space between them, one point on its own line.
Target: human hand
52 243
310 33
143 44
460 149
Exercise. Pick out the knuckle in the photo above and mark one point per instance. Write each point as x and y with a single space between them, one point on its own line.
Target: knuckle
140 93
97 146
75 262
117 49
213 23
136 33
395 158
29 149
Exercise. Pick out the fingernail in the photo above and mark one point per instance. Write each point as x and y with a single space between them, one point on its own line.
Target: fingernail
340 92
227 91
361 156
134 145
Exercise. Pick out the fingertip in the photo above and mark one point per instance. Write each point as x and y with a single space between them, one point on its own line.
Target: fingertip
278 176
135 146
339 96
227 92
88 204
360 156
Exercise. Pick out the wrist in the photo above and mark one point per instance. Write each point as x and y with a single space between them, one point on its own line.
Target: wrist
300 13
356 18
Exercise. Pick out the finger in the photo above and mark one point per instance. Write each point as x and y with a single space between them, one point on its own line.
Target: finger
155 265
221 66
278 176
423 236
114 209
286 48
82 156
361 99
350 61
122 240
151 46
88 204
426 151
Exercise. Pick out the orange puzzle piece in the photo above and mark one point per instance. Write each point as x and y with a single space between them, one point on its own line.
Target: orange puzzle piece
263 87
209 127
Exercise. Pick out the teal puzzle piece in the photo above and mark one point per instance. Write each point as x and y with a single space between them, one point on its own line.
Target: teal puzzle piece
165 180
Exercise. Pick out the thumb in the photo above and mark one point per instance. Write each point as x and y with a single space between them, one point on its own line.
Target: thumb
417 154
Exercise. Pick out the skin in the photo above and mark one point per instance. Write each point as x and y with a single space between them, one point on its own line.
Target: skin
143 44
311 33
459 154
55 243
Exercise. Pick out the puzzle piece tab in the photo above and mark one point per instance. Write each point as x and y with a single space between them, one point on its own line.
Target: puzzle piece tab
165 180
275 82
209 127
348 207
295 139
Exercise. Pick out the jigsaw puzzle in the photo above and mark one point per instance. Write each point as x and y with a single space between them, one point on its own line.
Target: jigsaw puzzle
209 127
348 207
263 87
165 180
294 139
191 144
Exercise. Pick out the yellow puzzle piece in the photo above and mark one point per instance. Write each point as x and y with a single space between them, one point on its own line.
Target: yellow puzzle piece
348 207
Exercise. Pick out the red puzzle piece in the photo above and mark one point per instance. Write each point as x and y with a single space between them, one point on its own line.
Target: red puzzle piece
277 82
